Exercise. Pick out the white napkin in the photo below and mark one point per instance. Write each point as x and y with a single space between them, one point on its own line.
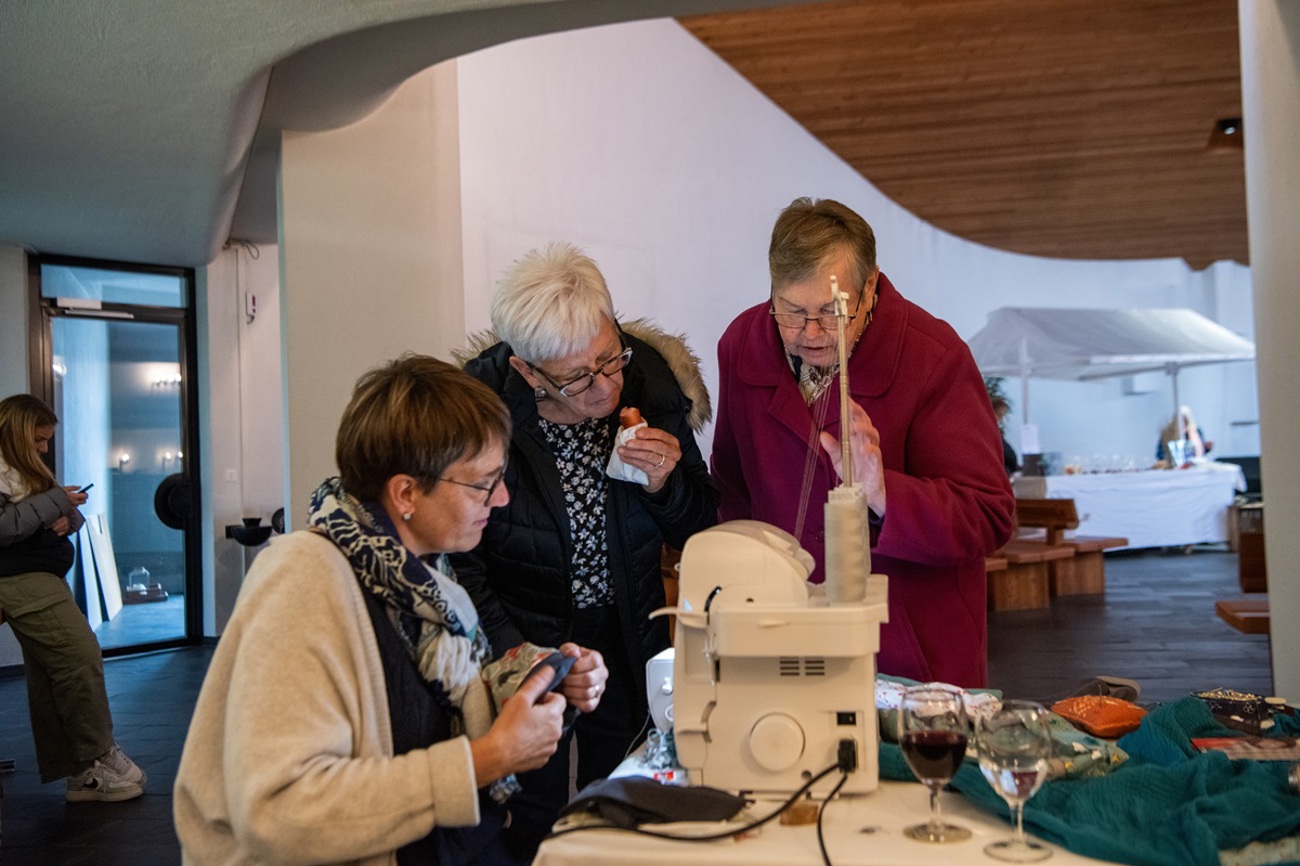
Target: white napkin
617 468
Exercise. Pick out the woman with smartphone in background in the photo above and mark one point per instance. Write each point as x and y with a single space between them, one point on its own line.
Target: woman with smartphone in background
71 722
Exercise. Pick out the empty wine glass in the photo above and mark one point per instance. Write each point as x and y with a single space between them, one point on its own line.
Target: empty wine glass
933 733
1014 746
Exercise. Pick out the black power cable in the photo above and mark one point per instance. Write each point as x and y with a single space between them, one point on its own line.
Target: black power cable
821 813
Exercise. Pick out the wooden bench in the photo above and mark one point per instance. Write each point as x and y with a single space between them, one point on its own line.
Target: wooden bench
1246 615
1246 523
1085 572
1053 515
1025 583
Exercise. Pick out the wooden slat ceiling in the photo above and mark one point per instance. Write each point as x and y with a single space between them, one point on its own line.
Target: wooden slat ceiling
1065 128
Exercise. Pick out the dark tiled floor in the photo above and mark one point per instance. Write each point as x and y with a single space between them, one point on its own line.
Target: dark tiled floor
152 622
1155 624
152 697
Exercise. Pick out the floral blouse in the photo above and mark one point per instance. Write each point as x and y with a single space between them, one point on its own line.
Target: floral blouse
581 451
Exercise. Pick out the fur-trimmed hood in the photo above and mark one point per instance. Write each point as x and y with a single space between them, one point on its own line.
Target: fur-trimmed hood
683 362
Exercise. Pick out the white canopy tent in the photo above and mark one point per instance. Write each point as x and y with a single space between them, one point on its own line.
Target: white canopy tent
1081 345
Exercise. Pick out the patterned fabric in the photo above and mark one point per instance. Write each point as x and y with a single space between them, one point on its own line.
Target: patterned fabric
813 381
580 451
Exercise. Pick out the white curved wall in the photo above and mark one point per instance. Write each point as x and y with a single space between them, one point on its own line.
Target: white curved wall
638 143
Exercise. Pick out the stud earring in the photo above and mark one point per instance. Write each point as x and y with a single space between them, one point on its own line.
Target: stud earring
539 393
407 515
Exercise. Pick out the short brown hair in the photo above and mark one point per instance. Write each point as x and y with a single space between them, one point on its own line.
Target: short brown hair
20 415
414 416
810 231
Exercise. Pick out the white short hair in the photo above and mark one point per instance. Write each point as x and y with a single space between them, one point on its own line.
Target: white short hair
551 303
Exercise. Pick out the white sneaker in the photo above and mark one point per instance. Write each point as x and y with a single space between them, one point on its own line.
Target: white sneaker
116 760
101 782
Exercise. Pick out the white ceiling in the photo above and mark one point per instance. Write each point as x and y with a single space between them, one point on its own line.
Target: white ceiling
128 129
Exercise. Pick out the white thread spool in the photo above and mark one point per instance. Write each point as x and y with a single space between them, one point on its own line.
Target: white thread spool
848 546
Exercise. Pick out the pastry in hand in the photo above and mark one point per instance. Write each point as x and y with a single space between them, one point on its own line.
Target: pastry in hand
630 416
631 420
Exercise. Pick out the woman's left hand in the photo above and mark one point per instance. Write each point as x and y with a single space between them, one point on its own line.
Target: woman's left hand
655 452
586 680
868 464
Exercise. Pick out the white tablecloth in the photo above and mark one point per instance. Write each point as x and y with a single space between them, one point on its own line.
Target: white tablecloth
1158 508
860 831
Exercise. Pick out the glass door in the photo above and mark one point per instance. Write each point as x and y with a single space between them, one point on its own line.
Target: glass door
118 384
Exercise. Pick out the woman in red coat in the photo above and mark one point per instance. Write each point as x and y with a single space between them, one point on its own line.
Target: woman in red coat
926 447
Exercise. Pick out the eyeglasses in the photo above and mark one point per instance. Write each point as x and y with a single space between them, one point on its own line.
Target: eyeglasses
489 489
574 387
796 322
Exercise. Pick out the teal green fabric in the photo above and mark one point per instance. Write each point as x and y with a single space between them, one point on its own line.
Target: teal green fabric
1168 805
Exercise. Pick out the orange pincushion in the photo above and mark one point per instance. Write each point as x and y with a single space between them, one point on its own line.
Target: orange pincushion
1101 716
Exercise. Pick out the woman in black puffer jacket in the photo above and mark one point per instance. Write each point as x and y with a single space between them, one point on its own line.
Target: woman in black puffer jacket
575 555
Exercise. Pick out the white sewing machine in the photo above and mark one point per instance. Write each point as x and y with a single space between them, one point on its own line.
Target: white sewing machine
768 678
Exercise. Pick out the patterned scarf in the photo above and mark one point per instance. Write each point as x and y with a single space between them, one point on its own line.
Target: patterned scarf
430 611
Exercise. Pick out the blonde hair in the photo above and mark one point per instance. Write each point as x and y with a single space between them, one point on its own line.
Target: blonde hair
414 416
811 231
20 416
551 303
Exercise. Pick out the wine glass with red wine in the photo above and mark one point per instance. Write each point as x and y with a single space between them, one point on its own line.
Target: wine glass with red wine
933 732
1015 745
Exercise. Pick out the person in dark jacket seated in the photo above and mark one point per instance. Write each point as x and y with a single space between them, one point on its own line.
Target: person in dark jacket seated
575 555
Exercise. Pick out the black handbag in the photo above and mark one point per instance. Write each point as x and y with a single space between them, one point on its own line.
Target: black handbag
630 801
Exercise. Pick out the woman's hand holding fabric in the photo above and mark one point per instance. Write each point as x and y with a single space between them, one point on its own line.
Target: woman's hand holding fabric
525 733
655 452
586 680
868 466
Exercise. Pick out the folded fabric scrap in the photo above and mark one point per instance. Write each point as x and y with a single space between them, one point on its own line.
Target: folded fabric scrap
1078 754
1168 804
889 696
504 675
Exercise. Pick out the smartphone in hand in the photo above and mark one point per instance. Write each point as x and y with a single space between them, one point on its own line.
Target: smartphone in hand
557 662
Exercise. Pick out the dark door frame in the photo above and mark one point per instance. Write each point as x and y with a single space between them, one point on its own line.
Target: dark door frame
42 311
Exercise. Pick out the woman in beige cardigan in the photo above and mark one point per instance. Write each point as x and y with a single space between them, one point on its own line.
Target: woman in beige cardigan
352 713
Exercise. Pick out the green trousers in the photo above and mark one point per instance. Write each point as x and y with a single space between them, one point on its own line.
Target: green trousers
68 703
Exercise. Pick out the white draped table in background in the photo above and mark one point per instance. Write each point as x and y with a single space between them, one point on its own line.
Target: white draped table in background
1156 508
